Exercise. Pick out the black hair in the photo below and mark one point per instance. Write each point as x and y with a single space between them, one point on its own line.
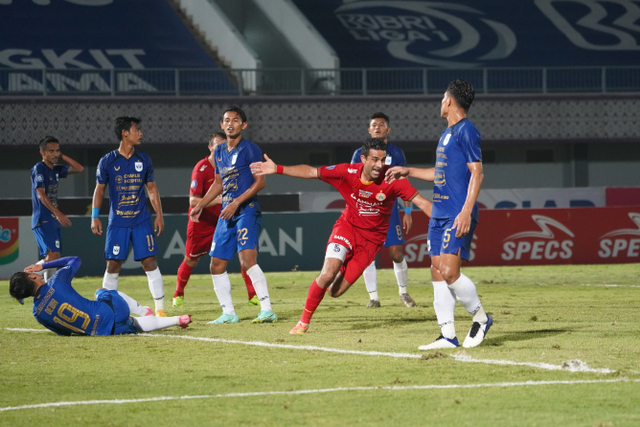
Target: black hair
124 123
235 109
372 144
463 93
20 286
379 115
220 135
47 140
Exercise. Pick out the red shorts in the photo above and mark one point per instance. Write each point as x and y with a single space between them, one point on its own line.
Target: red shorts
361 251
198 245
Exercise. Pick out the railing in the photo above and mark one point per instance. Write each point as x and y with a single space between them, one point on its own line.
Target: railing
292 82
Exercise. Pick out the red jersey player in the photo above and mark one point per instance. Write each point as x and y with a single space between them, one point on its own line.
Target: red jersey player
361 230
200 234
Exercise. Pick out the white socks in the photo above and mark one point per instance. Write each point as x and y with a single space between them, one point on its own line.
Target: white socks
222 288
156 286
260 285
134 306
153 323
466 293
371 279
110 281
400 269
444 303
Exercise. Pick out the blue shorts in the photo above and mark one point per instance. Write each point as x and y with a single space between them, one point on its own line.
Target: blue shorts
236 235
141 236
48 238
395 236
441 239
122 323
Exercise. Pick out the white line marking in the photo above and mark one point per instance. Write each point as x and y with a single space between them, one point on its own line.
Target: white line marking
568 366
315 391
604 285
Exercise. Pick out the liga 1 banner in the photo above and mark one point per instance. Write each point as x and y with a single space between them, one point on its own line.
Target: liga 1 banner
539 237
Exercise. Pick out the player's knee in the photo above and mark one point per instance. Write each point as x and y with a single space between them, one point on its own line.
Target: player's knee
191 262
449 274
149 263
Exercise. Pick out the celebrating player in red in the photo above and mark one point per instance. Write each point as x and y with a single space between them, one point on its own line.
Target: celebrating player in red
200 234
361 230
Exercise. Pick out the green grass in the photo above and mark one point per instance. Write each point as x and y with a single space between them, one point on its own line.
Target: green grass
549 314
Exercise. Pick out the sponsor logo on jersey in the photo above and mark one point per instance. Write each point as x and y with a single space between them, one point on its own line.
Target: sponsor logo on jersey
348 170
203 168
194 183
138 166
387 160
119 179
117 168
364 194
331 167
344 239
540 245
621 243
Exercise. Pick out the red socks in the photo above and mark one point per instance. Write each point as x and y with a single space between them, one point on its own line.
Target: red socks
314 297
184 273
251 292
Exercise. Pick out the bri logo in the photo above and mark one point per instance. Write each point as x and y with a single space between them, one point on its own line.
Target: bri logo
538 245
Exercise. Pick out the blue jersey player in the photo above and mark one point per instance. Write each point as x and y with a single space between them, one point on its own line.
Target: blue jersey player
457 180
240 220
128 172
379 128
47 219
61 309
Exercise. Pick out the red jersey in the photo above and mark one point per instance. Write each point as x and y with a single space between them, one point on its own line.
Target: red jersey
202 178
369 204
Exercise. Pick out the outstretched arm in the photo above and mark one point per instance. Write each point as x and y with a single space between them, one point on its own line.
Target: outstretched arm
398 172
425 205
268 167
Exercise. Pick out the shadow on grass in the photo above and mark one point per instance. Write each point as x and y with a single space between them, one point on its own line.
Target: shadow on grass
524 335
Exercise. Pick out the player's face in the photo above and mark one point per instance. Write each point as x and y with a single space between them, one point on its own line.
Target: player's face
444 105
378 129
133 136
373 163
51 154
232 124
216 141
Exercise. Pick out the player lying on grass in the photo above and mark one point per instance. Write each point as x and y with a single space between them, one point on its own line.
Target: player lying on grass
359 233
59 308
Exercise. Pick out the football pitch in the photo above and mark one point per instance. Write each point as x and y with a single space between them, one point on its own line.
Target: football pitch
564 350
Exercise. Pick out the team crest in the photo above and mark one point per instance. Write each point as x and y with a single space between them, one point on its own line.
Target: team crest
381 196
116 249
39 178
234 158
446 139
57 178
57 244
138 166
